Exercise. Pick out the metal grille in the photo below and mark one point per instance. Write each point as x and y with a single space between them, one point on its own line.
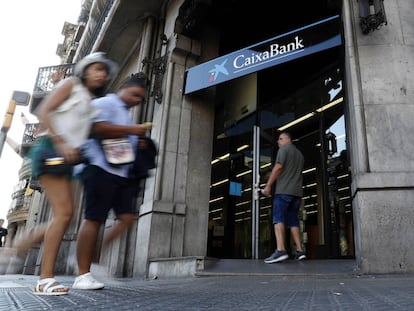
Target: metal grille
48 77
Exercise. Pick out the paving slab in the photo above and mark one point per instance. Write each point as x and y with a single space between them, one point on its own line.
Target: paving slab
225 292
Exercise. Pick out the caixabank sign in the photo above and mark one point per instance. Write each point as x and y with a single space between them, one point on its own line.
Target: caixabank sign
301 42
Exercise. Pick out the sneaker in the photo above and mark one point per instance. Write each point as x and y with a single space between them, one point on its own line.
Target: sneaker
277 256
300 255
87 281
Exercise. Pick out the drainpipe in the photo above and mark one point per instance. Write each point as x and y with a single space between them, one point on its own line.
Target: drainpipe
164 122
146 45
164 125
143 113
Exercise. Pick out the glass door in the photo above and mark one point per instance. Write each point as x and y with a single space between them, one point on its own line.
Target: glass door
230 208
262 227
240 218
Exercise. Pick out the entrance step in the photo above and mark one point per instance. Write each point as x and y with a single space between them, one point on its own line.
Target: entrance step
325 267
178 266
207 266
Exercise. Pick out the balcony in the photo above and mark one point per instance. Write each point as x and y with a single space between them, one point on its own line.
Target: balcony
29 137
17 210
19 196
21 204
47 78
17 214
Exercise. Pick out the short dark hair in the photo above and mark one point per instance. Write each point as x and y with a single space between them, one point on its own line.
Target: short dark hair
288 134
135 79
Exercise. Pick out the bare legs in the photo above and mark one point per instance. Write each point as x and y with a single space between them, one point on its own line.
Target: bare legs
295 232
88 235
59 193
86 243
25 242
123 223
58 190
280 233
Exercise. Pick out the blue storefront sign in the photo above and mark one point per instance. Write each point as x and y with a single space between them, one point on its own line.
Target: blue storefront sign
301 42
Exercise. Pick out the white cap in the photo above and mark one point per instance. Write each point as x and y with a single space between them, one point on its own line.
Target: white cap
96 57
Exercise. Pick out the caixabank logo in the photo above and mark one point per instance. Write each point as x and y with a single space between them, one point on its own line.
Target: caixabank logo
252 58
218 69
268 53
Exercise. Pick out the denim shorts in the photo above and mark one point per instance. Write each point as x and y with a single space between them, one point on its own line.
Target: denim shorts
45 143
286 210
105 191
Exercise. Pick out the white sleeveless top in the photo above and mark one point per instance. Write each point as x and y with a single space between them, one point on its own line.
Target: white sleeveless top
73 118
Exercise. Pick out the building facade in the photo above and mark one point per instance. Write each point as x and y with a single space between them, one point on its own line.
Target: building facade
345 94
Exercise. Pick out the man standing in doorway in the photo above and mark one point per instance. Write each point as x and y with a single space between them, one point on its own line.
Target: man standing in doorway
288 197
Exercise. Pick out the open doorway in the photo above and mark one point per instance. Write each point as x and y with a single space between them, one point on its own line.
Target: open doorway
312 109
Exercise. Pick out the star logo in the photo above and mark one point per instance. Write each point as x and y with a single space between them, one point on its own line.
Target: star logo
217 70
333 92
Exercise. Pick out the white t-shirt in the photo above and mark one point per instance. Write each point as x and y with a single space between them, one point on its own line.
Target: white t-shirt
73 118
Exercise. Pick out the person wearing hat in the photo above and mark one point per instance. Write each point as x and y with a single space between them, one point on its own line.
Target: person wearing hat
66 118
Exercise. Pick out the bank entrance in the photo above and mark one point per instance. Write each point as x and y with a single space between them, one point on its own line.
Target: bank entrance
306 98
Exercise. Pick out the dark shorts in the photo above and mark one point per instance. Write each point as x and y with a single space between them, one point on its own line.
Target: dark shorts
43 144
104 191
286 209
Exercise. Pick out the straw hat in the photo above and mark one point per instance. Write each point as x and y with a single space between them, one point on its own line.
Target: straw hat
96 57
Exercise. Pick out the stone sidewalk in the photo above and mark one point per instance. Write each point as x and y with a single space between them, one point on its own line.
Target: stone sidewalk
235 292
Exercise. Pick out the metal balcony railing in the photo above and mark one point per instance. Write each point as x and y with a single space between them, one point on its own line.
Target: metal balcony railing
29 137
30 133
18 194
47 78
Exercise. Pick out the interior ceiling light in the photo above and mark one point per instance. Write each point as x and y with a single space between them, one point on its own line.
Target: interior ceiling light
215 161
219 182
310 185
266 165
342 176
216 210
221 158
242 147
309 170
224 157
243 203
331 104
311 114
216 199
299 120
244 173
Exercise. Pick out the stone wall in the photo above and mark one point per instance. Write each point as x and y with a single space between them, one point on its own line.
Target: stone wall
380 109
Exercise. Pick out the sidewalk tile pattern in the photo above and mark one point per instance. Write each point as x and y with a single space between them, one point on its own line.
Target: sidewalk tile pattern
264 293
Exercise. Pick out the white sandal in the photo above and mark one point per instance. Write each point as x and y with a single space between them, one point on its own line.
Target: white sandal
49 287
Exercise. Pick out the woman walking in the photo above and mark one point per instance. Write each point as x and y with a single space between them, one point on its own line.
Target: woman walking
66 116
